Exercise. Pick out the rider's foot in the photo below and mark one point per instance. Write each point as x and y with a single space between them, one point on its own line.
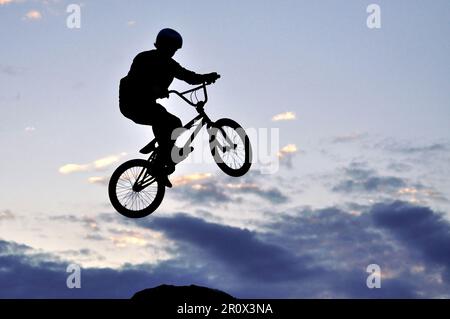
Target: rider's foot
165 181
169 168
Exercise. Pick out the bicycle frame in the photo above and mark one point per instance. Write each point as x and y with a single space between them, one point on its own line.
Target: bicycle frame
205 120
150 147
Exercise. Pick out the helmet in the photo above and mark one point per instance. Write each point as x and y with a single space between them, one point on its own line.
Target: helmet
169 38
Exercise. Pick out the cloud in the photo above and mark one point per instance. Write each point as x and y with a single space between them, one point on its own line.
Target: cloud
209 193
287 150
242 253
413 147
6 215
420 194
89 223
96 165
309 253
190 178
418 228
381 234
107 161
203 189
102 180
360 179
371 184
25 274
305 253
81 255
272 194
125 241
399 167
4 2
73 168
131 23
134 237
437 147
286 153
349 138
33 15
286 116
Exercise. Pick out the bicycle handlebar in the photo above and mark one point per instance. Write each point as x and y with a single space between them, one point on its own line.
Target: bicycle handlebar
199 103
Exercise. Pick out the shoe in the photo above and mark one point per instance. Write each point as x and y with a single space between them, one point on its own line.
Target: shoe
165 181
169 168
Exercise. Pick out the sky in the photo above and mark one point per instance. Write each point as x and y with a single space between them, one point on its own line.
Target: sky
353 121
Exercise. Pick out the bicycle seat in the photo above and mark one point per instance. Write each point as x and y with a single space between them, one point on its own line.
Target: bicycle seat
148 148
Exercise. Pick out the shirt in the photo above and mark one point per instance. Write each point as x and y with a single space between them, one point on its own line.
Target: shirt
151 74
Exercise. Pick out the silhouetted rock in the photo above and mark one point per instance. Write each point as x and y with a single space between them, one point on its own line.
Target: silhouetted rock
180 294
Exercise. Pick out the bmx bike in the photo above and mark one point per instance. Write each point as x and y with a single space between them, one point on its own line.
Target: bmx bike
135 188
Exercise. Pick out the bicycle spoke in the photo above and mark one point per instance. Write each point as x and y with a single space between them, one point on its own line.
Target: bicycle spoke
128 197
234 156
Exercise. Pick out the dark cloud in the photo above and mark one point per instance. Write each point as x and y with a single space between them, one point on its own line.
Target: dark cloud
302 253
209 193
418 228
371 184
313 253
240 250
222 191
359 178
408 148
273 194
436 147
24 275
348 243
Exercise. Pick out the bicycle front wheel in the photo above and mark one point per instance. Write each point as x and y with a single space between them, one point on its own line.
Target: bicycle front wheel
230 147
133 191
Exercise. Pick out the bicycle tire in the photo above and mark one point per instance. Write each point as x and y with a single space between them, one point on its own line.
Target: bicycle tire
217 129
117 190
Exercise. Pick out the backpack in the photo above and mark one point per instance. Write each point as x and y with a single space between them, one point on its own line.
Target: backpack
125 96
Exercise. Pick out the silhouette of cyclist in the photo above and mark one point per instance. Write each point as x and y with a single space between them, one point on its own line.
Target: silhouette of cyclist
149 78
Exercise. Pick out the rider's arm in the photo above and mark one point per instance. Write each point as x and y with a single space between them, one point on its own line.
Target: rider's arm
188 76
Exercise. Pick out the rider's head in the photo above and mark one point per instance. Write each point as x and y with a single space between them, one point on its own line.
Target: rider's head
168 42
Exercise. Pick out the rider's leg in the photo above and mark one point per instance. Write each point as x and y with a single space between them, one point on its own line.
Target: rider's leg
163 123
163 129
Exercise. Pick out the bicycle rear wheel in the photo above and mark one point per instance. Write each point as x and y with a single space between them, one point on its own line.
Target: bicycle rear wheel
133 191
230 147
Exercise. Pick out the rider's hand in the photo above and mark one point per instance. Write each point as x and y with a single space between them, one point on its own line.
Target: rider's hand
211 77
165 94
